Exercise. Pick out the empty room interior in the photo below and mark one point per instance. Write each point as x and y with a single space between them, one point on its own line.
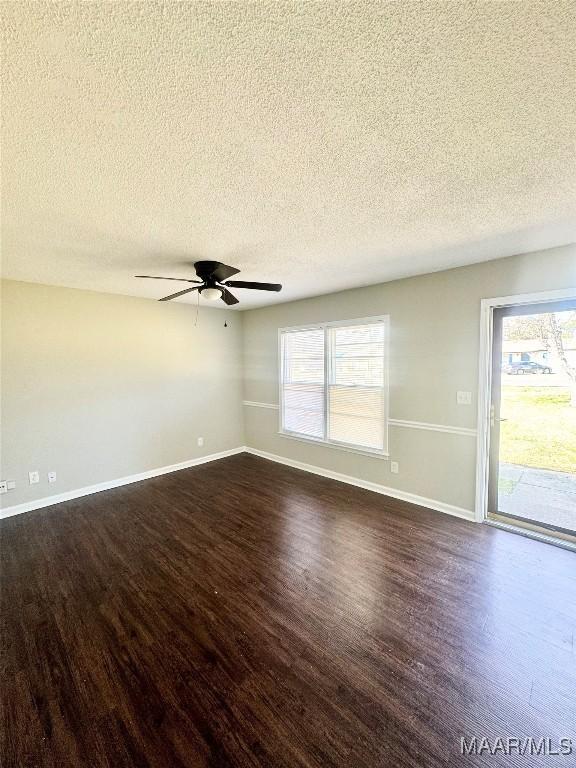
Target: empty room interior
288 384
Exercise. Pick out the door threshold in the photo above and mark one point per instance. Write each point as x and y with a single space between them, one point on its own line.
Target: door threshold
557 538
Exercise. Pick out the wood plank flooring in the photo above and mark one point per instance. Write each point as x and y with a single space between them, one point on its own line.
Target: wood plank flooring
243 613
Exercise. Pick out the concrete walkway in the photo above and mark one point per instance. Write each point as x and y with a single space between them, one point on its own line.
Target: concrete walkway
538 494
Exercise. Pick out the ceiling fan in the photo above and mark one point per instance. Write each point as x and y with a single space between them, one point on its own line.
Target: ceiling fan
211 285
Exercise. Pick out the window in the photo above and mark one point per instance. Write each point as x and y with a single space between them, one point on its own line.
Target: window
333 384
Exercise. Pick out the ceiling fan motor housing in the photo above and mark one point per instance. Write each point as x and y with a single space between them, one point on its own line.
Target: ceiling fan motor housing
212 272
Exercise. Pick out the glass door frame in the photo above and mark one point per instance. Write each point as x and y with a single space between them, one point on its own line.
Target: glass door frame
492 313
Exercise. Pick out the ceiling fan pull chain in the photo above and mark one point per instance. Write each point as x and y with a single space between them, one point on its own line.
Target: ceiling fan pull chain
197 310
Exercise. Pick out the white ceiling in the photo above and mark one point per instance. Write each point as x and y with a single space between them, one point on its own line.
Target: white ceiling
322 145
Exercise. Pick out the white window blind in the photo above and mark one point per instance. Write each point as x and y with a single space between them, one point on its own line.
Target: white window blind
303 382
333 384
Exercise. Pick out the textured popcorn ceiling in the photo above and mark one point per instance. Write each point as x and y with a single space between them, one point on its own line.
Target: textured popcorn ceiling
322 145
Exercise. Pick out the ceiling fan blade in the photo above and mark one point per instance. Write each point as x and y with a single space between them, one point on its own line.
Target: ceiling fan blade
254 286
228 298
223 272
180 279
180 293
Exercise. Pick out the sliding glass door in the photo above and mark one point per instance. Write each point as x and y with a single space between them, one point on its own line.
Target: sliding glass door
532 465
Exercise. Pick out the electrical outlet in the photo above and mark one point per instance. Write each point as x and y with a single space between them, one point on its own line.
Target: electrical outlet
11 485
200 442
34 477
3 486
394 468
464 398
51 477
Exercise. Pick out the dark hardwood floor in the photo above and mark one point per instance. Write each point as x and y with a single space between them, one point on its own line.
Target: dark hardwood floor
243 613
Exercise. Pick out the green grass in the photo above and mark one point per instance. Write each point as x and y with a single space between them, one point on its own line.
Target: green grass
540 428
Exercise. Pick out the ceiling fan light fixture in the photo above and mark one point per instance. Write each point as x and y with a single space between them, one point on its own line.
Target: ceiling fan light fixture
212 294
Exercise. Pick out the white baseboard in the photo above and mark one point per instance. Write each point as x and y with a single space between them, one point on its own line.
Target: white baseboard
422 501
413 498
48 501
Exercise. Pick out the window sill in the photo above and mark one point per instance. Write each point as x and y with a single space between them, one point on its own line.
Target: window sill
348 448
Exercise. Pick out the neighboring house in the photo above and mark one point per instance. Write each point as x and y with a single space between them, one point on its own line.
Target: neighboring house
524 350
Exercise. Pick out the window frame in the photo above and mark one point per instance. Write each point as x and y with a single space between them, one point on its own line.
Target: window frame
384 320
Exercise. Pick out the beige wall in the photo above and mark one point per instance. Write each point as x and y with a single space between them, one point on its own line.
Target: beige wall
97 387
434 349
